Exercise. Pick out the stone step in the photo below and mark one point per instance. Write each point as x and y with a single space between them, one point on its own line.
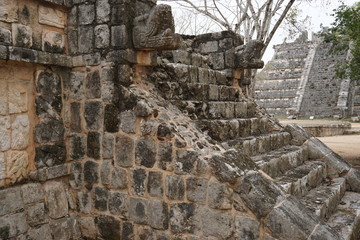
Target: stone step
324 199
256 145
346 219
218 110
302 179
278 162
222 130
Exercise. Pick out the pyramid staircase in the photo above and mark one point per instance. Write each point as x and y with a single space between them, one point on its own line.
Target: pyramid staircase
304 168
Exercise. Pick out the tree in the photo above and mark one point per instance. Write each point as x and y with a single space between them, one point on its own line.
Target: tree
345 35
254 19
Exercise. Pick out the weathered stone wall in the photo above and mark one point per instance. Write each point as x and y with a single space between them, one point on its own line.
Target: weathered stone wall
123 142
300 81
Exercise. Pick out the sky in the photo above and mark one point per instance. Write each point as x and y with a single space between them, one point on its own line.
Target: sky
319 12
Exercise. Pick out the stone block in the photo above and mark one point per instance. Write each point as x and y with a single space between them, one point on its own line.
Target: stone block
18 97
217 60
209 47
85 39
164 131
158 214
3 98
13 225
86 14
127 121
299 135
155 184
9 11
75 118
119 204
196 189
107 146
76 176
87 227
219 196
2 168
125 151
119 37
17 165
48 107
77 80
51 130
43 232
165 153
20 129
184 218
85 202
138 181
145 232
32 192
93 115
102 11
175 187
102 36
185 161
5 133
217 224
148 127
22 35
52 17
93 145
35 214
138 210
10 200
58 171
77 146
53 41
258 193
56 199
246 227
111 118
105 172
101 197
5 35
291 220
91 172
145 152
353 180
127 231
119 178
108 227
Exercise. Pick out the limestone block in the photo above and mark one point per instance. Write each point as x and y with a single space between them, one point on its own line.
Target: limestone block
2 168
158 214
217 224
18 97
184 218
102 36
15 225
87 226
56 199
108 227
3 98
101 196
9 10
10 201
102 11
118 204
17 165
5 36
52 17
20 129
21 35
32 193
4 133
42 232
53 41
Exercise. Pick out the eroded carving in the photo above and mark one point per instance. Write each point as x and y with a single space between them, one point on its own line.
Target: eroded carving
17 166
156 30
249 55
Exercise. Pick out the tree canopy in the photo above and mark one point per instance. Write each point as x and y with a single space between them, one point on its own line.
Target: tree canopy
345 35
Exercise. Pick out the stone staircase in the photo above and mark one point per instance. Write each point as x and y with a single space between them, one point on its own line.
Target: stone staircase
237 123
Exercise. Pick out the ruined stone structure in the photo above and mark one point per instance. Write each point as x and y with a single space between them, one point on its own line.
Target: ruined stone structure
102 137
301 81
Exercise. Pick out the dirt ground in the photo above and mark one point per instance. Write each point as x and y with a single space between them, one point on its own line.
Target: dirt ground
347 146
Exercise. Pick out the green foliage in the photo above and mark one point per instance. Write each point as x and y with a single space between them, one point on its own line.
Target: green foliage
345 34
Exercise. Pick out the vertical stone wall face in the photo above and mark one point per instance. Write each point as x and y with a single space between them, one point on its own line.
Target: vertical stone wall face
113 140
17 115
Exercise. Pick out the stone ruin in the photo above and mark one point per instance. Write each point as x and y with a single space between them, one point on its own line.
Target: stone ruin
300 81
114 127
